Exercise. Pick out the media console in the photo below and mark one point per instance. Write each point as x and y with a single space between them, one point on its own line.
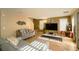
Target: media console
52 37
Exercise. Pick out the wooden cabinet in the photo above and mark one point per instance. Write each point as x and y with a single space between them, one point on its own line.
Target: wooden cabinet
67 34
36 24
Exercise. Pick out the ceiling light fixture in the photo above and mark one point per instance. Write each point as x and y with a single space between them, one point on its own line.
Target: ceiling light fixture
65 11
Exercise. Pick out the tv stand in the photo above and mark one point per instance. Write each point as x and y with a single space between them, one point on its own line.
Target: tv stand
52 37
50 32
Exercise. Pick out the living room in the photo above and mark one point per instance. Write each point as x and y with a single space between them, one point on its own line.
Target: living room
39 29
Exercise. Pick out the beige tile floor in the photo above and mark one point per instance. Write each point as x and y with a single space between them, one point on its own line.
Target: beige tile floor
31 39
55 45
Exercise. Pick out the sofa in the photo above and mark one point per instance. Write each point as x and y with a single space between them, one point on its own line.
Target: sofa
22 45
25 33
6 45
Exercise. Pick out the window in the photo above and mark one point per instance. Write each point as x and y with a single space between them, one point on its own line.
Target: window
63 24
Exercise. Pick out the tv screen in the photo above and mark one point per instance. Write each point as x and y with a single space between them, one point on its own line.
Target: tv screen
51 26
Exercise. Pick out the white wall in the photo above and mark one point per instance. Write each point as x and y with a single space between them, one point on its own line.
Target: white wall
9 25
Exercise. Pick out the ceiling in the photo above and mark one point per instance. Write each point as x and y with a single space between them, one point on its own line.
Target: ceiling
43 13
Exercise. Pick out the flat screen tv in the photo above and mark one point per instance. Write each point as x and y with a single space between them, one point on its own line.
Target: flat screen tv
51 26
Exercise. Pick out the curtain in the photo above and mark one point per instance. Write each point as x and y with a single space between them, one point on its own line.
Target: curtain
63 24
